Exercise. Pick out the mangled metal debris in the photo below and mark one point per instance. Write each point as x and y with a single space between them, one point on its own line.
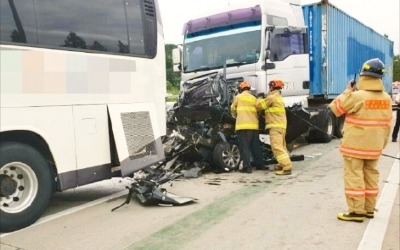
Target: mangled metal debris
147 188
201 138
202 130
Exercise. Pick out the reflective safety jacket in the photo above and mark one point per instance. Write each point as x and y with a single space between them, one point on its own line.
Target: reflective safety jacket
275 114
368 114
245 111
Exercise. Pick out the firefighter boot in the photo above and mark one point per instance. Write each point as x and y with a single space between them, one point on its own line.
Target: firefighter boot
351 217
283 172
369 215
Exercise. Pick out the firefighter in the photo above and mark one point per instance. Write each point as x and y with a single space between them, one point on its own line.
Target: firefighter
246 113
275 123
366 132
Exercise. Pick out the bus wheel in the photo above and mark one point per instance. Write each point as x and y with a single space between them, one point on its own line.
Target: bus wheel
226 156
26 184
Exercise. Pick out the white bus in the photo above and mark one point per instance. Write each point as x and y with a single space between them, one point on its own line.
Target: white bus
83 86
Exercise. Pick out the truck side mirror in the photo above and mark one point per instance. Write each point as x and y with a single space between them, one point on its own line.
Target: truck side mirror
268 65
267 54
176 59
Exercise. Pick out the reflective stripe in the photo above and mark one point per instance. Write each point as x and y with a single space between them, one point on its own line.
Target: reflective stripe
354 193
339 107
246 126
251 109
276 125
263 104
275 110
365 122
250 99
371 192
361 153
281 157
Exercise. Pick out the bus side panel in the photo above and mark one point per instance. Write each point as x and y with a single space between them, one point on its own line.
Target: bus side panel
53 124
93 154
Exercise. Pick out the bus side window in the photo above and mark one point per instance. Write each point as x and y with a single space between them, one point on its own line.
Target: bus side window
117 27
81 26
17 22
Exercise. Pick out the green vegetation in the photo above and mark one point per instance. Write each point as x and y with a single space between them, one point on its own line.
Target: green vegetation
173 78
396 68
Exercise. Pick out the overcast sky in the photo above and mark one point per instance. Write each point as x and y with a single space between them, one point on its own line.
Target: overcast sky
380 15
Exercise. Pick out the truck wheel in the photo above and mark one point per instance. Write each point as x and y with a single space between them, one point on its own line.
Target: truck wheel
325 124
25 185
339 122
226 156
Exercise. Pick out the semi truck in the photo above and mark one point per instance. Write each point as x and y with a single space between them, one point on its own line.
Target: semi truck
315 49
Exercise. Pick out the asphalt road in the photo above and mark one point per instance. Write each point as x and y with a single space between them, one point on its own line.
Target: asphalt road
232 211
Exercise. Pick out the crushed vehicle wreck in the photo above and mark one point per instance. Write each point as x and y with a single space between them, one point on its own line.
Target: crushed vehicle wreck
201 138
202 131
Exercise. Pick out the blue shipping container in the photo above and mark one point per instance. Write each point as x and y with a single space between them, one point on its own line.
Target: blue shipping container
338 46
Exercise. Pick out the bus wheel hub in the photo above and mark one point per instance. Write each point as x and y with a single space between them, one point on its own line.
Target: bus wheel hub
8 186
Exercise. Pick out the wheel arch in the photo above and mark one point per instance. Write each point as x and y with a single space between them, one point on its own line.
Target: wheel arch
34 140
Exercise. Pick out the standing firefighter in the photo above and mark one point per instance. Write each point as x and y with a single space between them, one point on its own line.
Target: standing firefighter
246 113
275 120
366 132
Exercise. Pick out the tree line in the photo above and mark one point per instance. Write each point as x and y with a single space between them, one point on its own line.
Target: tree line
173 78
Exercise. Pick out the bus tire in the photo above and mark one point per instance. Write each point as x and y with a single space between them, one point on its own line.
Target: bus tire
226 156
26 185
325 122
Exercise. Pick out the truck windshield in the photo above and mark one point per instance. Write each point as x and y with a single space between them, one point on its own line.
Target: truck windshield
211 50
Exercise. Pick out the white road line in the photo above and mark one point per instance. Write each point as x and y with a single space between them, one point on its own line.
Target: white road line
376 229
71 211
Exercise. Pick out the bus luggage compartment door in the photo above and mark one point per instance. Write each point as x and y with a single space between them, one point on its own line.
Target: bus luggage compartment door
137 136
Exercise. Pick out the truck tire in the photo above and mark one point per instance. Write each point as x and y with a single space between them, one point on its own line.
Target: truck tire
339 122
226 156
26 185
325 122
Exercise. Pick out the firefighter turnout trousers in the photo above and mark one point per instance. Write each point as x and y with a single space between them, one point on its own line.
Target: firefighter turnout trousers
361 184
278 145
